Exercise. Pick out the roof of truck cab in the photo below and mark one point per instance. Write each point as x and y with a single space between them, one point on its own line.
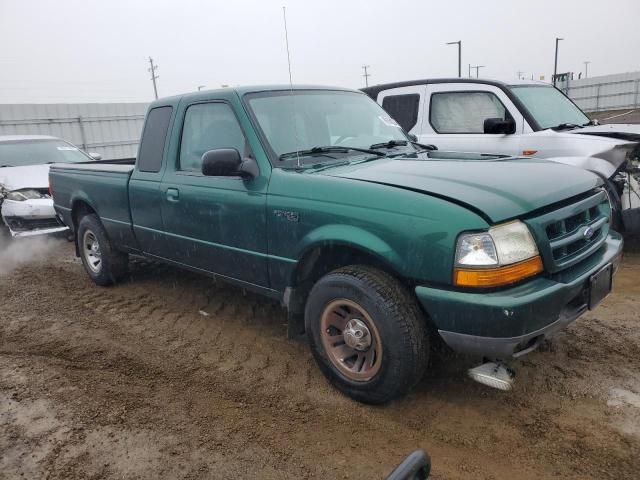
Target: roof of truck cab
374 90
22 138
222 93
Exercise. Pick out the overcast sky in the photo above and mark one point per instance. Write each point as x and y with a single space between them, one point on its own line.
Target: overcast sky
87 50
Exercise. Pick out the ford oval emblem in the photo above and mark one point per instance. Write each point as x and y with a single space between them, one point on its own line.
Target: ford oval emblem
588 233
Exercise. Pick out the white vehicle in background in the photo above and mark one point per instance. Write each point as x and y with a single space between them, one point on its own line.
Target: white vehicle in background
25 203
520 118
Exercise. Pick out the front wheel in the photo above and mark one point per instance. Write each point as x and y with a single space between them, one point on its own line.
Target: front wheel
101 261
366 333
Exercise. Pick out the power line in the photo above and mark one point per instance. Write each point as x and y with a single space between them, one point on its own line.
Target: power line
152 69
366 75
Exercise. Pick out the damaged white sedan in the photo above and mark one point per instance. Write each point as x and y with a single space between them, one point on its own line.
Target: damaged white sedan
25 203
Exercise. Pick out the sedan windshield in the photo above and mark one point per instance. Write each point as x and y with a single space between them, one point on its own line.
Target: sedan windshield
312 124
549 107
20 153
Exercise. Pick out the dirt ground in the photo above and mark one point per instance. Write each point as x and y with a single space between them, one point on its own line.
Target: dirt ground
169 375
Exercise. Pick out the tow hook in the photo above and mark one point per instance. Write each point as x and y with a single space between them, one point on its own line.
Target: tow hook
494 374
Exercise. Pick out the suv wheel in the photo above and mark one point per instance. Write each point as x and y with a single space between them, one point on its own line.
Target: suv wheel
366 333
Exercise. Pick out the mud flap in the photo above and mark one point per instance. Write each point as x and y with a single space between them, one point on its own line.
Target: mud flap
631 220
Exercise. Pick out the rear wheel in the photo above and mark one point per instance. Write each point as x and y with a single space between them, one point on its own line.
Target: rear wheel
366 333
102 262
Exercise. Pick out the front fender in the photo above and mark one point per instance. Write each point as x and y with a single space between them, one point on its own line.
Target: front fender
604 168
348 235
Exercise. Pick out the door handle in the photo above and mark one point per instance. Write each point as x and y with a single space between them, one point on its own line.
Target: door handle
173 194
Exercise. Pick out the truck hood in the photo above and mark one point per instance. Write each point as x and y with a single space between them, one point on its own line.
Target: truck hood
30 176
620 131
499 189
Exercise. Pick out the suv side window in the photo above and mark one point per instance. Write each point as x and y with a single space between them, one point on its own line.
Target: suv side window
464 112
153 138
403 109
208 126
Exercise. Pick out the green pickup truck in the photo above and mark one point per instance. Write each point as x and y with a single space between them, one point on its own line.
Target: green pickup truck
378 246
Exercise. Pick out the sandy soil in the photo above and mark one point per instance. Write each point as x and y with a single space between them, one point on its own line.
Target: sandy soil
169 375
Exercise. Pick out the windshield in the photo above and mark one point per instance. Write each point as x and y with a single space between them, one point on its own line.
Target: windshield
20 153
301 120
549 107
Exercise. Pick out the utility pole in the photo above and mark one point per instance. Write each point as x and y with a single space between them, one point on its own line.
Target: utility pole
555 65
478 67
586 69
366 74
469 70
459 43
152 69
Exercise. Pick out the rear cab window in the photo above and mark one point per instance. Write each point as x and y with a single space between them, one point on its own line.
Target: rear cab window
403 109
153 139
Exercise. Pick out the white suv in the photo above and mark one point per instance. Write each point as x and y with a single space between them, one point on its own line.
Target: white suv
520 118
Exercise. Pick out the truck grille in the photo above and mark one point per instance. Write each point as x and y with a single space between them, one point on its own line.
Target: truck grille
570 234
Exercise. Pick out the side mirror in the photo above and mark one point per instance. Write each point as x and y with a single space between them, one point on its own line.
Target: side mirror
221 162
500 126
417 466
226 162
95 156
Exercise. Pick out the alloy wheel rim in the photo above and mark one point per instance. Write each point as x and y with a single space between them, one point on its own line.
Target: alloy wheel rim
351 340
91 251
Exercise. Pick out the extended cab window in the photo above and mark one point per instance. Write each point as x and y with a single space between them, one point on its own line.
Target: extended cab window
153 138
464 112
403 109
208 126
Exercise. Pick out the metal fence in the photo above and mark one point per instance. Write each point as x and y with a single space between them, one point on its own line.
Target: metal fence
111 129
608 92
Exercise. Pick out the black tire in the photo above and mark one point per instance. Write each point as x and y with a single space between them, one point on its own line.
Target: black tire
112 265
398 322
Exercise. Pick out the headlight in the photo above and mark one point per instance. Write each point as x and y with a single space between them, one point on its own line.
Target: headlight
505 254
22 195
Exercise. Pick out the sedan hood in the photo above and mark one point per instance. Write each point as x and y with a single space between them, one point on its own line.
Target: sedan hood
30 176
500 189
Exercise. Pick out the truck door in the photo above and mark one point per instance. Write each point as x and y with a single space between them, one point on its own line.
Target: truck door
144 186
404 104
455 113
216 224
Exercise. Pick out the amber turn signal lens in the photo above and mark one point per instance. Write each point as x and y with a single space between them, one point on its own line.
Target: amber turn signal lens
496 277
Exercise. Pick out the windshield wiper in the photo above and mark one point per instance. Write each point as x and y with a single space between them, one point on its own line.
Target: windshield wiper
403 143
390 144
328 149
566 126
2 166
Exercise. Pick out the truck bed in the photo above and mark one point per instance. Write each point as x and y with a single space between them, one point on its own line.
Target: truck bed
102 187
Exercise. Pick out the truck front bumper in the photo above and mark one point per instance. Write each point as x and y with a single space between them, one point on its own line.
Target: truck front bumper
31 217
512 322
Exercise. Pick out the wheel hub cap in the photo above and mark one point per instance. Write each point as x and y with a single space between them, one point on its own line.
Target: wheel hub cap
357 335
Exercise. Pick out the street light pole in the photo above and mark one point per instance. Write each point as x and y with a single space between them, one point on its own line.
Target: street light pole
459 43
478 67
555 65
586 69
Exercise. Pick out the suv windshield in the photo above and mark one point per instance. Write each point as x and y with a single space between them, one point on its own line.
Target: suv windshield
20 153
549 107
308 123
